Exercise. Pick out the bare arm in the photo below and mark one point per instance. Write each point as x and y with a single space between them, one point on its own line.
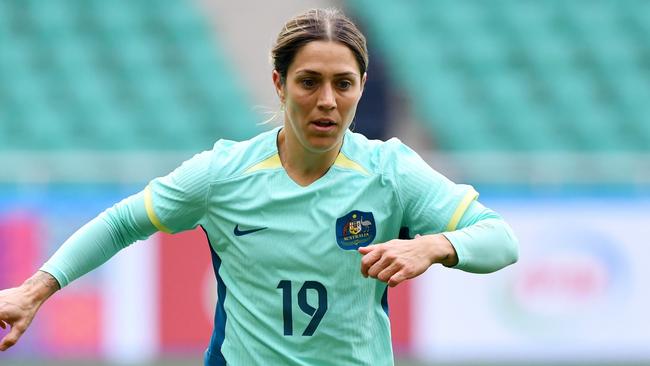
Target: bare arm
19 305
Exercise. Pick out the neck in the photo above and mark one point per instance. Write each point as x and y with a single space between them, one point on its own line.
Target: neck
302 165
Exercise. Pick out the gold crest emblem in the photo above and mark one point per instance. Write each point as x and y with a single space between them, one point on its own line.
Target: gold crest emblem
354 227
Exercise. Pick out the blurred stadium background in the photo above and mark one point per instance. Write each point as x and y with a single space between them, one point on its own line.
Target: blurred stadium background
542 105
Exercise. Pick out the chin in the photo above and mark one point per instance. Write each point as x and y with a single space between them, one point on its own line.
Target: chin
322 144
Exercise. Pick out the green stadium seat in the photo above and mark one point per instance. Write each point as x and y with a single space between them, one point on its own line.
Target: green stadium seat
530 75
119 75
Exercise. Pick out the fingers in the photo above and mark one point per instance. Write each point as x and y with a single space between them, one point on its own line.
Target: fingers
404 273
366 250
12 316
4 317
371 254
388 272
393 262
11 338
396 279
381 264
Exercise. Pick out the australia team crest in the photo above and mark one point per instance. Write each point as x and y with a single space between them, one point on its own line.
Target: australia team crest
356 229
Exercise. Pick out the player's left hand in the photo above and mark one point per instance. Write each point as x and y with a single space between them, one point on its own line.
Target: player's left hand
398 260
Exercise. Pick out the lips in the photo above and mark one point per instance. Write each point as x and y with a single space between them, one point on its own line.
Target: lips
323 125
324 122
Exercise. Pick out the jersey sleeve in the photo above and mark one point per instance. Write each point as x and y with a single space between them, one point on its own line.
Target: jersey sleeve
100 239
172 203
178 201
431 203
483 241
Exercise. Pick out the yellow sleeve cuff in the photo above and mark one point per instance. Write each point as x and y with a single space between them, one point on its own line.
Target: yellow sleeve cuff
148 204
469 197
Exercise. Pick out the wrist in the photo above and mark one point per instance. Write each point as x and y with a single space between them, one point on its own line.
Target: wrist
441 250
40 286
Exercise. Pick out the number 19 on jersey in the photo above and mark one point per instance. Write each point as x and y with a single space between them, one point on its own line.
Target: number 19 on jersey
316 313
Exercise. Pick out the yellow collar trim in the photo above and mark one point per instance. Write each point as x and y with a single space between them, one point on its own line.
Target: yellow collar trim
269 163
345 162
273 162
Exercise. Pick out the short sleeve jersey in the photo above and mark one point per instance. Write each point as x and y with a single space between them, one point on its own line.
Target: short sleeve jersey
289 286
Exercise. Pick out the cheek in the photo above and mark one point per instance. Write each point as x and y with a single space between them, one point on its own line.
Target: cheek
348 108
299 108
294 109
297 102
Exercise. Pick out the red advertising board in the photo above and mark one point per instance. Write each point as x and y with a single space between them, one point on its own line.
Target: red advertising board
185 322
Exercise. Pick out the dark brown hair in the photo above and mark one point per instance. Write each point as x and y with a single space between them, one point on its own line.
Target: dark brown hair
317 25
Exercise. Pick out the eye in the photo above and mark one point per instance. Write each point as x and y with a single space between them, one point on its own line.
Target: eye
308 83
344 84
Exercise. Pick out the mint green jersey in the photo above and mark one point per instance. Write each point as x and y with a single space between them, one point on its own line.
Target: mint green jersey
290 290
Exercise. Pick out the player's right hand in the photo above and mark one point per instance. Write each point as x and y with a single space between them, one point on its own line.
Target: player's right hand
16 312
19 305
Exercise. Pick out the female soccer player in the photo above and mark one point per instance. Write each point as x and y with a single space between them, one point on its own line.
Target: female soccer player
303 220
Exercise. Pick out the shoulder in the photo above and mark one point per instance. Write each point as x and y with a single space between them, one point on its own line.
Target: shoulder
231 158
374 155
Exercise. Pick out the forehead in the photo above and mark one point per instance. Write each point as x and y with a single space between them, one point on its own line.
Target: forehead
325 57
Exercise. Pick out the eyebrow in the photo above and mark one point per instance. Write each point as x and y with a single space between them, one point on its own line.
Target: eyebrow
312 72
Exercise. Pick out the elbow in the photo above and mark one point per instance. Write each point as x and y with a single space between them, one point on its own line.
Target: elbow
511 246
508 249
492 247
513 253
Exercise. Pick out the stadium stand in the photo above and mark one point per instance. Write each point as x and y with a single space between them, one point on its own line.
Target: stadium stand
115 76
521 75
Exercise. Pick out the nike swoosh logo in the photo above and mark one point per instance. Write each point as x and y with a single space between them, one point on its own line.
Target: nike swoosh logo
246 232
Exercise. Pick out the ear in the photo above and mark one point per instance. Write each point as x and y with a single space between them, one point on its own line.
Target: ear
363 82
279 87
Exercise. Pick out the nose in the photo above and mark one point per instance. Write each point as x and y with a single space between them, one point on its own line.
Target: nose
326 98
